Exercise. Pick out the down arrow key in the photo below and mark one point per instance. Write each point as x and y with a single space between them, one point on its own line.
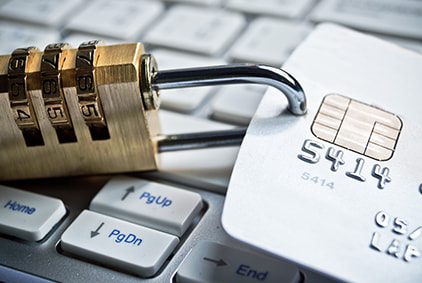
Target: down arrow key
96 232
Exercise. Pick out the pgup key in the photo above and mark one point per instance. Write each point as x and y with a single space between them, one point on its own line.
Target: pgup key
94 109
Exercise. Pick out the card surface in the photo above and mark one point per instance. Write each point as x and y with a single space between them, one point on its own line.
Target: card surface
338 190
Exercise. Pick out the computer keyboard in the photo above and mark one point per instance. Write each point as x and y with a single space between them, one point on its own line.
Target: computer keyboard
103 234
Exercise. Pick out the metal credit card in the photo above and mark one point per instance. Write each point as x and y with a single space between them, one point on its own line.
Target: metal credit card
339 190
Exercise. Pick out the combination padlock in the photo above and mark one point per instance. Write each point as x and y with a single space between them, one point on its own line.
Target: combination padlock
93 110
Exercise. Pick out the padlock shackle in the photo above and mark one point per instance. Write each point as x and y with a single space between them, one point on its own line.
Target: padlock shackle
235 74
231 137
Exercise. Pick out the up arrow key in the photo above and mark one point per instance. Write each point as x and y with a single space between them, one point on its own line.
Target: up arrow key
129 190
96 233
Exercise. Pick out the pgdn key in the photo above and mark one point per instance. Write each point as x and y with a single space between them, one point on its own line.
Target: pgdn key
119 237
118 243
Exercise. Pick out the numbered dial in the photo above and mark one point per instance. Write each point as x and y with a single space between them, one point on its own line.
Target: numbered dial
51 87
61 74
20 101
88 98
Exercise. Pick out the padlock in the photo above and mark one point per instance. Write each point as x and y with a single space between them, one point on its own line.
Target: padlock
93 110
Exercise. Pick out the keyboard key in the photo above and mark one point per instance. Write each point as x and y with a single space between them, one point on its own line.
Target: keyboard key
75 39
406 43
195 29
118 243
237 104
269 41
198 2
43 12
119 19
14 36
184 99
206 168
27 215
400 18
283 8
154 205
212 262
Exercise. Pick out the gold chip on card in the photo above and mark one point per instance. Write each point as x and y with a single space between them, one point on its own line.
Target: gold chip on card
357 126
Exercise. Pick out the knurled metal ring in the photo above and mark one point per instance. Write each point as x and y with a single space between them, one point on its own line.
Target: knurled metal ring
150 96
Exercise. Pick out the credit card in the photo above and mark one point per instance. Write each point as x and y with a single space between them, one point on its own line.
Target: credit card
339 190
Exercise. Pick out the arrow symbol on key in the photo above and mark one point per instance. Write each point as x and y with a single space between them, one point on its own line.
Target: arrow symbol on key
218 263
128 191
96 233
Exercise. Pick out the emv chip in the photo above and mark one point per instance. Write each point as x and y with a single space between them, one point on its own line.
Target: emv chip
357 126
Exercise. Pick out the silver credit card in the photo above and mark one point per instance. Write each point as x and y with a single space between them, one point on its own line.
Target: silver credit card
340 189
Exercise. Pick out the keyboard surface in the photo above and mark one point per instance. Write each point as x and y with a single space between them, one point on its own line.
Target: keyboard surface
89 234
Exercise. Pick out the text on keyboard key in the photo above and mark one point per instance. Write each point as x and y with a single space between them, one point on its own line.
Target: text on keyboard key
118 243
27 215
212 262
206 31
151 204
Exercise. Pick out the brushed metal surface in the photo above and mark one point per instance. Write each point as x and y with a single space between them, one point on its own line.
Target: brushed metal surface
131 146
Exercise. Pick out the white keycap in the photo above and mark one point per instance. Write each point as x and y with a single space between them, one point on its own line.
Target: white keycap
195 29
269 41
212 262
402 17
43 12
75 39
184 99
209 167
406 43
27 215
283 8
14 36
198 2
120 19
237 104
118 243
151 204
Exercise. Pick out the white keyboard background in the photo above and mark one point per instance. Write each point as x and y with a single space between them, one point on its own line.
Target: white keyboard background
179 34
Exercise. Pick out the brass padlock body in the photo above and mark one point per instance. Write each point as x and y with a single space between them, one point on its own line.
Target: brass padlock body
132 129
